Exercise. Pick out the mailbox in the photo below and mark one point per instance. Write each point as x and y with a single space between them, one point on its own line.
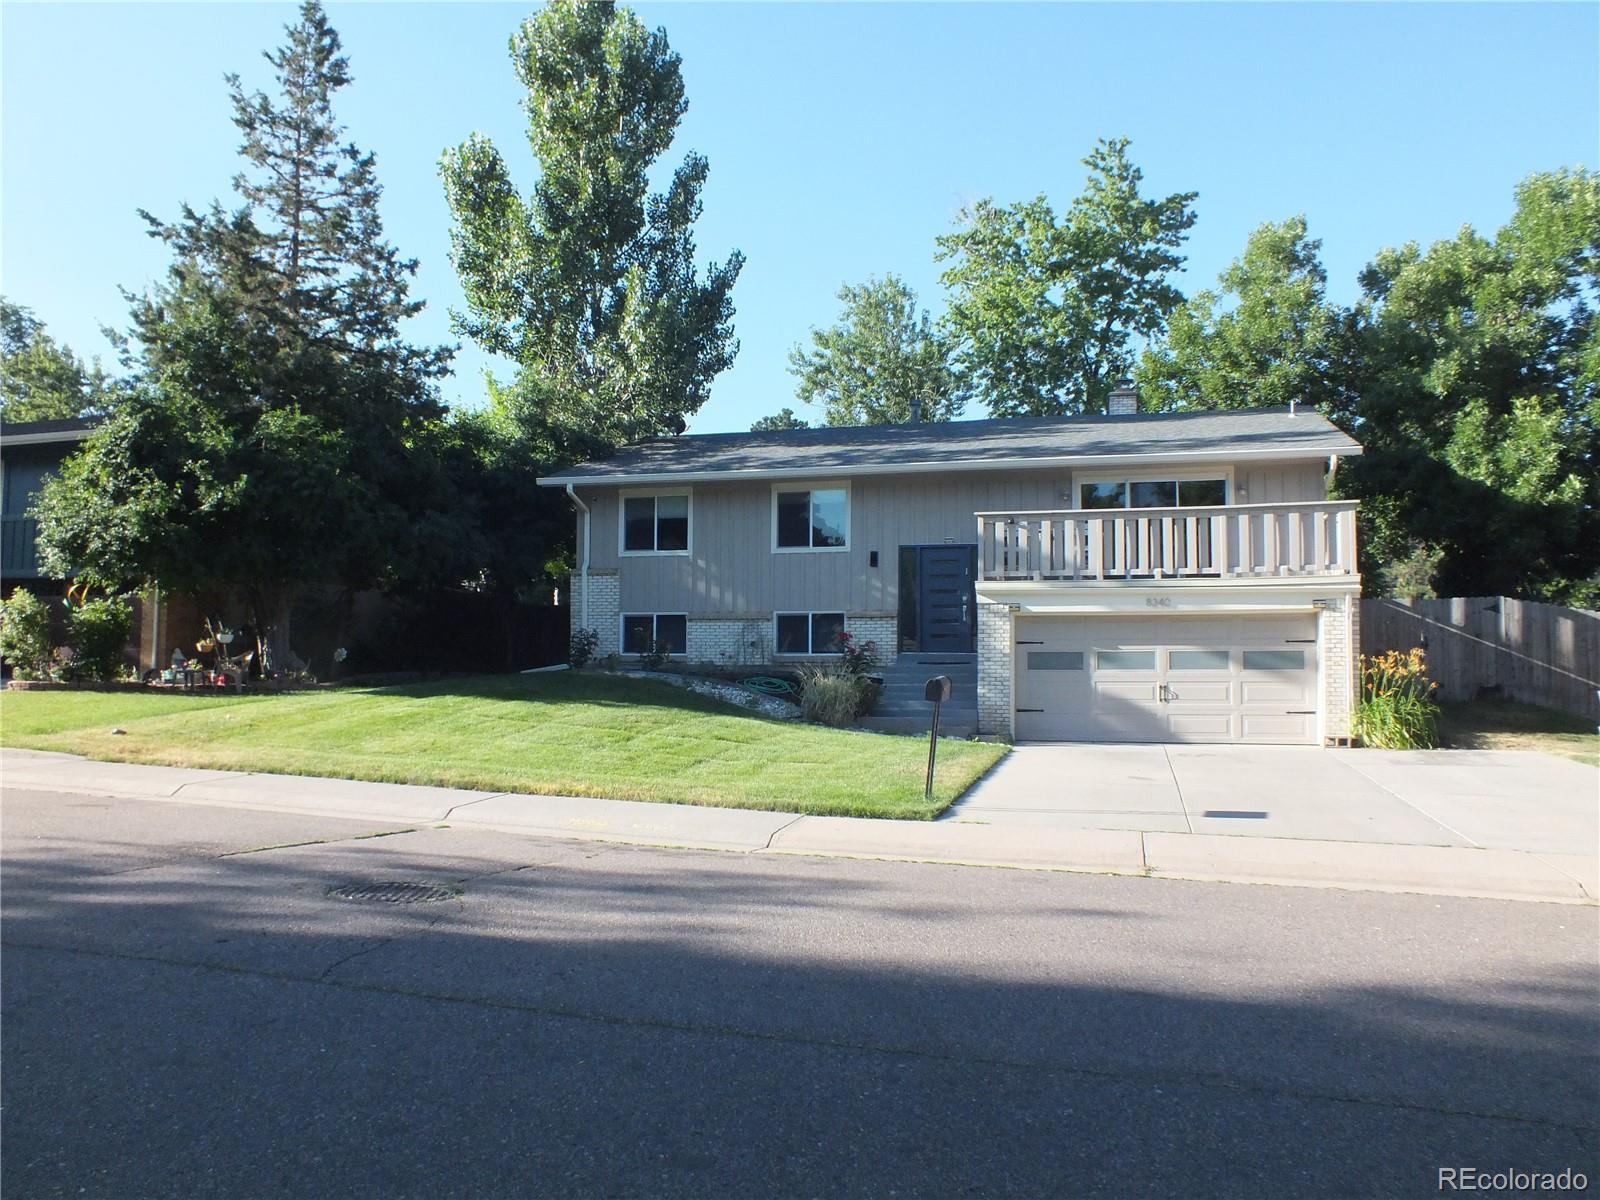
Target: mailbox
937 689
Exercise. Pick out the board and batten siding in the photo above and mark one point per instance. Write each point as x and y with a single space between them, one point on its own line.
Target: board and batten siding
732 569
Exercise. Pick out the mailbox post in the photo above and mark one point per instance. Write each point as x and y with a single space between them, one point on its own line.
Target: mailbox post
937 690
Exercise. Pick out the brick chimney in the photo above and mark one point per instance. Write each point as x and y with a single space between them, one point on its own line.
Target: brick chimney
1124 399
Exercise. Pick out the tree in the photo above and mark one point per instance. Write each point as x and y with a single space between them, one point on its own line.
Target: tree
279 432
784 418
882 358
590 285
1045 309
1479 402
39 379
1266 337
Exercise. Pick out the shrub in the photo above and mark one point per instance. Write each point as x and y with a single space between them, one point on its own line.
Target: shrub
1397 710
655 655
25 635
582 647
97 631
856 659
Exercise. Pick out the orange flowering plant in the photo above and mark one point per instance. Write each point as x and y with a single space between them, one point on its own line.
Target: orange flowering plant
1397 710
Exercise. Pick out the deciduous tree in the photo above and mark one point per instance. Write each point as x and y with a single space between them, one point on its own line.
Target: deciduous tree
590 284
1046 309
882 359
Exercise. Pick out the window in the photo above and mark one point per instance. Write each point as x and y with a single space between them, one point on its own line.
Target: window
815 519
1274 660
655 524
1055 660
1197 660
640 630
1153 493
1125 660
809 633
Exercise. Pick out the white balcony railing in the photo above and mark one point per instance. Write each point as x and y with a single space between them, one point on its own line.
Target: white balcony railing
1233 541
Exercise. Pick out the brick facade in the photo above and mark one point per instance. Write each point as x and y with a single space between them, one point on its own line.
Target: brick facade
1339 638
748 641
994 669
604 611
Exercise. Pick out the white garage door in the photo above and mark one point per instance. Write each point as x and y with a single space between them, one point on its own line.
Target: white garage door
1167 679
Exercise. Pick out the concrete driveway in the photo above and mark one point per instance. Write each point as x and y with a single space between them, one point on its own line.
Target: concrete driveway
1492 799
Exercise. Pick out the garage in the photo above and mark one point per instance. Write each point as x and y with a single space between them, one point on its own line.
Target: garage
1167 678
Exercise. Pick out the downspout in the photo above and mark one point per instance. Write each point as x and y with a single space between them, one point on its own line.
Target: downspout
583 560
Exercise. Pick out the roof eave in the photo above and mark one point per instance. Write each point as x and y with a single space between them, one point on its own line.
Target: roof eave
834 470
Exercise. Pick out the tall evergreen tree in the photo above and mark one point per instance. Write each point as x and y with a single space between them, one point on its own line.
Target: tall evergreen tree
882 358
41 380
590 284
1045 309
280 434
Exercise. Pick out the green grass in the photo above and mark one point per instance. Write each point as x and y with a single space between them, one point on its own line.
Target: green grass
563 734
1504 725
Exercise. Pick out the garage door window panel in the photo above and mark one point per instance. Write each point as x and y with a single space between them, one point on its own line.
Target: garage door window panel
1274 660
1199 660
1125 660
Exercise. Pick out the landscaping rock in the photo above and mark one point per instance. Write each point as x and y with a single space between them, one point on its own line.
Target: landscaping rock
721 689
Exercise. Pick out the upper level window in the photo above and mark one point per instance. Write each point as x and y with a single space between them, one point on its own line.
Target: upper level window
655 524
1153 493
813 519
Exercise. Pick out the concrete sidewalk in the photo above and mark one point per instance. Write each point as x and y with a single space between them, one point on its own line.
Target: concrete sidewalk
1442 870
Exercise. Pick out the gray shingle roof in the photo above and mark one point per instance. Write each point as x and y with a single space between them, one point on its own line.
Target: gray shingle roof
968 445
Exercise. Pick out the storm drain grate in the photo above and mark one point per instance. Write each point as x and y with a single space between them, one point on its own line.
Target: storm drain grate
393 891
1237 814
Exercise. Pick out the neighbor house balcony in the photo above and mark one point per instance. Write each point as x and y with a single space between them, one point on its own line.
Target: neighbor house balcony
19 556
1231 542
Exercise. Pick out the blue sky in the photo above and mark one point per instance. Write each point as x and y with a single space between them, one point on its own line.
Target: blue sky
842 138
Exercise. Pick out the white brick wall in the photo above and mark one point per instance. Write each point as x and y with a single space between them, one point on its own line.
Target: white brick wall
883 630
1339 636
605 596
748 642
994 668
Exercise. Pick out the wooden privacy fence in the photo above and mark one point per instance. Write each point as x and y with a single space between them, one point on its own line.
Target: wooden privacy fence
1477 645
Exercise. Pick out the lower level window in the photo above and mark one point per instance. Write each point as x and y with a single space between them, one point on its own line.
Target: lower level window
809 633
641 630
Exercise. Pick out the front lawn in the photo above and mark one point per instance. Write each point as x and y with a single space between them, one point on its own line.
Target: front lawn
1504 725
562 733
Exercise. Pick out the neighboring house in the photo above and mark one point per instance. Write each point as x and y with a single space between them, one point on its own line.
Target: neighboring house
1138 577
30 452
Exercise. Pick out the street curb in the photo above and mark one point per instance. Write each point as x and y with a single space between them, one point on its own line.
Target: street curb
1213 858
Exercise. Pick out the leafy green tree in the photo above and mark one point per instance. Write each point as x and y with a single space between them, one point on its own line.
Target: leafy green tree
883 357
590 284
1266 336
1045 309
280 433
41 380
784 418
1474 368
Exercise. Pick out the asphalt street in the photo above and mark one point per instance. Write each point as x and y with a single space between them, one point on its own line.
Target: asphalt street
191 1010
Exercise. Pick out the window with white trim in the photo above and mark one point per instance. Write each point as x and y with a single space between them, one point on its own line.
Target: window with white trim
642 630
656 524
808 632
811 518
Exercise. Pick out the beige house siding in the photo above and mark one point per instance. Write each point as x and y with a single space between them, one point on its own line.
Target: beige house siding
733 569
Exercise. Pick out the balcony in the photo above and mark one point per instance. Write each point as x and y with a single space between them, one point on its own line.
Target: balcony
19 558
1233 542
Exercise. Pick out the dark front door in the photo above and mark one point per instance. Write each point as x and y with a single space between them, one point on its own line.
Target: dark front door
945 608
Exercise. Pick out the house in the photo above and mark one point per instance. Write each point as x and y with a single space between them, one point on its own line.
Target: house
30 452
1133 577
